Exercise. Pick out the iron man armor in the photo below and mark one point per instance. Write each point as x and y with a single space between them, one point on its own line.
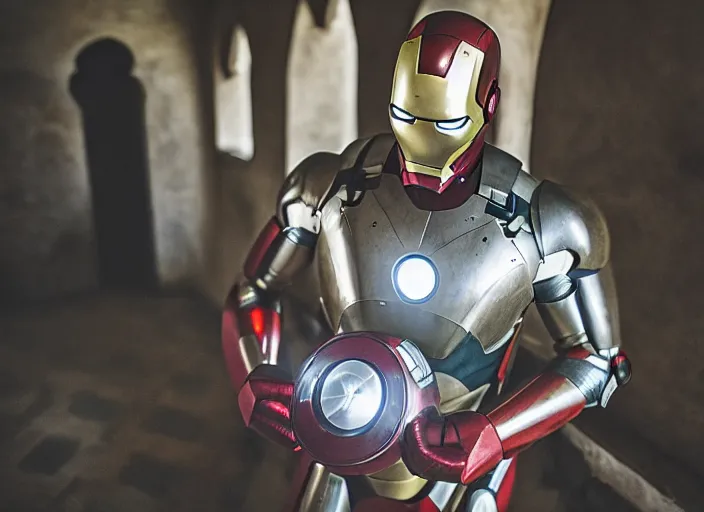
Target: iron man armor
430 244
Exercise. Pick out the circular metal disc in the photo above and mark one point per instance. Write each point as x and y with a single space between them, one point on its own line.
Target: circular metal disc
351 395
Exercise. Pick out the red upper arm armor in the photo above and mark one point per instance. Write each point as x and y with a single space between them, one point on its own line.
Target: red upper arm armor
258 252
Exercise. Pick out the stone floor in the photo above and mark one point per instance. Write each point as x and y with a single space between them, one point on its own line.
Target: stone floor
117 403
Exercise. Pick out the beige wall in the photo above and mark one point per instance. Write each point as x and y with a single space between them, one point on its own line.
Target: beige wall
620 114
46 230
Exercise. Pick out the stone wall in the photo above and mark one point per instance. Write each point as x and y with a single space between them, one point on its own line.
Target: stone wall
47 229
619 114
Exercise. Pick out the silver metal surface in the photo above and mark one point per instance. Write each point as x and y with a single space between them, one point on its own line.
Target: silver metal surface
377 153
396 319
525 185
301 215
306 189
442 493
553 289
516 223
563 319
350 155
564 397
506 337
337 264
609 389
609 353
454 396
562 221
416 364
251 352
325 492
351 395
589 378
528 249
555 264
288 260
599 310
599 361
499 474
499 172
482 500
485 283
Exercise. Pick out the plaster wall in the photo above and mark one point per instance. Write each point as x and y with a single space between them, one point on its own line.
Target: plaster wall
619 115
46 219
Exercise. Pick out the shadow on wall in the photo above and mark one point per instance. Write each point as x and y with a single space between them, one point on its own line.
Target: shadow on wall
112 104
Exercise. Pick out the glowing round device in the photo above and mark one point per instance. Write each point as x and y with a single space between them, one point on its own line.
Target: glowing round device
351 395
415 278
353 398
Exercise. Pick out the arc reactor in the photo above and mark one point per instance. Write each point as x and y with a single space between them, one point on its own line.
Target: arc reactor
415 278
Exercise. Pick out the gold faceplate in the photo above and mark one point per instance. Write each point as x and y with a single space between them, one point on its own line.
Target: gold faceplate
432 98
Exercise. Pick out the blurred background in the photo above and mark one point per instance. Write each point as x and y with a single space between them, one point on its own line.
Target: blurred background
142 144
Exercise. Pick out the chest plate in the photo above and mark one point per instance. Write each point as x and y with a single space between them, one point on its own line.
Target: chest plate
484 283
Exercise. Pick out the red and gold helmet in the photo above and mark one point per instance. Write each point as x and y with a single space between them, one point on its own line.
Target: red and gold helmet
445 93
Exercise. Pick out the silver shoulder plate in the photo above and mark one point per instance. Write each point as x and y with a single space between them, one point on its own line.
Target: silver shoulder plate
562 221
376 154
525 185
499 173
322 175
307 187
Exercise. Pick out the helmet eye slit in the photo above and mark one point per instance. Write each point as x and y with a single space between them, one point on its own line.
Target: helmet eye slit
452 125
402 115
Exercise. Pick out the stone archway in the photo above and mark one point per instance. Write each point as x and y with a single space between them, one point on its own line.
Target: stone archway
321 82
233 97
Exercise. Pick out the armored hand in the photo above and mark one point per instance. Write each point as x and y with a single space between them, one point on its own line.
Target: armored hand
457 448
466 445
265 403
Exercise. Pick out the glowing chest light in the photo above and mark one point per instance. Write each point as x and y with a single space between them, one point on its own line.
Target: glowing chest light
415 278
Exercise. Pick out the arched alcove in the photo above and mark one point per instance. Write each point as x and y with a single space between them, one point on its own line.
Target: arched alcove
112 105
233 97
321 82
520 26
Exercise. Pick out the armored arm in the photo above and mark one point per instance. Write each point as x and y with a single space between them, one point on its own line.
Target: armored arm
251 321
574 295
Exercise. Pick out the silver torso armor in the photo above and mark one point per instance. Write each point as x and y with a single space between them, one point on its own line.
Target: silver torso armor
484 280
477 263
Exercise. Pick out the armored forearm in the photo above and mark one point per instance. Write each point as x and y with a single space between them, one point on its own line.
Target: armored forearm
466 445
251 322
579 378
577 302
251 329
580 307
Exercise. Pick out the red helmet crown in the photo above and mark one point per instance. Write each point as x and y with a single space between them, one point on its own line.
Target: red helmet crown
442 34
